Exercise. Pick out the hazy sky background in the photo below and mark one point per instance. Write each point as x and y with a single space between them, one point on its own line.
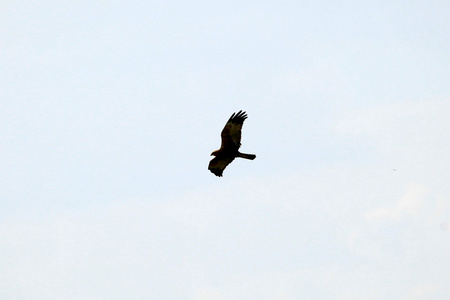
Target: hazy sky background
110 110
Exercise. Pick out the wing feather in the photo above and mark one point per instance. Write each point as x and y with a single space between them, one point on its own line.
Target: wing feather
218 164
231 133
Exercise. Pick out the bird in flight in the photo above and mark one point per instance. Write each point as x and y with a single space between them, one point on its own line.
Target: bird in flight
231 141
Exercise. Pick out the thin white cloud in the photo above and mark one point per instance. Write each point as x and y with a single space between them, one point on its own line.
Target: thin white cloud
208 294
421 292
410 203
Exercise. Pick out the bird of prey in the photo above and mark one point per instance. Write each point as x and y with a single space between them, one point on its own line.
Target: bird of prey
231 141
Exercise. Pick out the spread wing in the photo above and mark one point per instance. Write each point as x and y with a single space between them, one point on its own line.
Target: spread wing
231 133
218 164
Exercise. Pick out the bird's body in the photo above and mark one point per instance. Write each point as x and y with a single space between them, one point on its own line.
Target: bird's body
231 142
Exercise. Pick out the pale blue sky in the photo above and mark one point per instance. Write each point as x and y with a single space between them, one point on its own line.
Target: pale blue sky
110 109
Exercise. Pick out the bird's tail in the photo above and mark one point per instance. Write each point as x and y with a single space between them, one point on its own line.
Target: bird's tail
247 156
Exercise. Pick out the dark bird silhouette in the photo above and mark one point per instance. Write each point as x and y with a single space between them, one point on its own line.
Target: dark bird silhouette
231 141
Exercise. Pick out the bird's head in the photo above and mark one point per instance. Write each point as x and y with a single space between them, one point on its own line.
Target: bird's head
214 153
